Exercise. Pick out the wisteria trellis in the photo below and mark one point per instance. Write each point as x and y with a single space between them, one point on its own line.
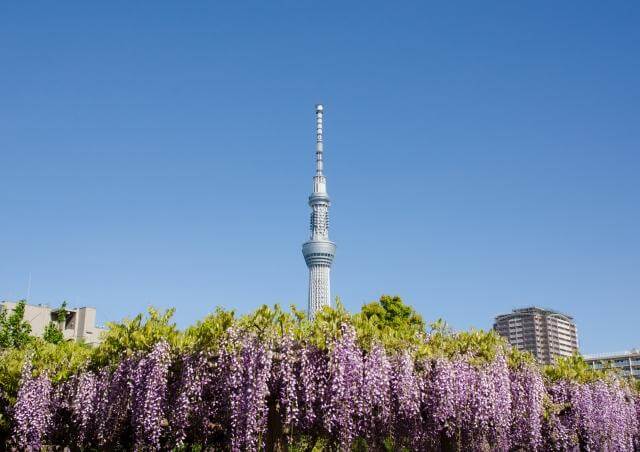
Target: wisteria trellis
252 393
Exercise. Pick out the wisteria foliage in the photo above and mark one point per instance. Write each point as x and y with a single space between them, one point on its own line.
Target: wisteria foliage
255 394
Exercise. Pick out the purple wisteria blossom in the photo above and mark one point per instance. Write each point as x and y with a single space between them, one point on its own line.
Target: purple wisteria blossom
405 397
113 405
247 381
312 379
602 412
89 388
186 393
445 387
32 412
227 398
637 423
375 397
527 398
342 401
285 378
497 402
149 392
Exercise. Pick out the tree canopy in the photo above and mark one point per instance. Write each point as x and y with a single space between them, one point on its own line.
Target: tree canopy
14 330
53 331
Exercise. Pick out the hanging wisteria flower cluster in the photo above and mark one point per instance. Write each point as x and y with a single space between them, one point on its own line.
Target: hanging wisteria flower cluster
252 394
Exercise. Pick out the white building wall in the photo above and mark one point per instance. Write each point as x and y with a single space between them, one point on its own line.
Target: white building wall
626 363
80 323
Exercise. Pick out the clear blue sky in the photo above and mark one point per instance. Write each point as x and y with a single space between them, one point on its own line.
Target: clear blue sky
480 157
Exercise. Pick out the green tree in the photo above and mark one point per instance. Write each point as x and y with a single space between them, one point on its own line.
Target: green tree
14 330
574 368
141 333
389 321
478 345
53 331
206 333
393 313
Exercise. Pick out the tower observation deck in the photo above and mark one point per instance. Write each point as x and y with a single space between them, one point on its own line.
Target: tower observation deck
319 250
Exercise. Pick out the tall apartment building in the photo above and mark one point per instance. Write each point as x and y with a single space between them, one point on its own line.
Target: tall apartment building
543 332
79 324
627 363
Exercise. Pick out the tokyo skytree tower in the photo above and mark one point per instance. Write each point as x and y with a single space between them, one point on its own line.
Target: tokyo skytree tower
319 250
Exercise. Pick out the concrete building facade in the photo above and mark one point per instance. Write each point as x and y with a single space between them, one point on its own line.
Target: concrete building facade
79 324
545 333
626 363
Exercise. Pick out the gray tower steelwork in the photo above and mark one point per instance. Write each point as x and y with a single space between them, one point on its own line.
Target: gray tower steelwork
319 250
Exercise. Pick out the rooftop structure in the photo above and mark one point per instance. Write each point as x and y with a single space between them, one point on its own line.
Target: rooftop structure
545 333
319 251
79 324
627 363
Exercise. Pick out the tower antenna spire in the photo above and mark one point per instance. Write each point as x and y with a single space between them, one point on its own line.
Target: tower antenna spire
319 143
319 250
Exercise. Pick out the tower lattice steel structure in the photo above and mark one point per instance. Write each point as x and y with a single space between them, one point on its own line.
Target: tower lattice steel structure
319 251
